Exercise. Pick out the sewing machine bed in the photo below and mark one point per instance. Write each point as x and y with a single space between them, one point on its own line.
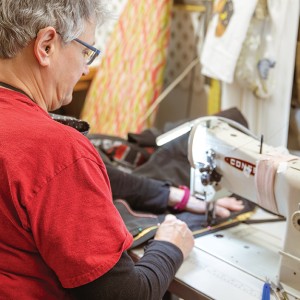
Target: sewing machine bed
233 263
251 248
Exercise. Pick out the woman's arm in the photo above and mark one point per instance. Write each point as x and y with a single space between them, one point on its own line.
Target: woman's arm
146 194
140 192
148 279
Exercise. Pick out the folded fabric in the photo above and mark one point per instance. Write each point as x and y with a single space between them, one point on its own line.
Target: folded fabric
224 38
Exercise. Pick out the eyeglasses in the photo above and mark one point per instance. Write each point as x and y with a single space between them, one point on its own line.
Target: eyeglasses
91 52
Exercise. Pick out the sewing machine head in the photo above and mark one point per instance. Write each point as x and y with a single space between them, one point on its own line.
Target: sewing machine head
226 158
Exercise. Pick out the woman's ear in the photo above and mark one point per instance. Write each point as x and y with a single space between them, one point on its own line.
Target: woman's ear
44 45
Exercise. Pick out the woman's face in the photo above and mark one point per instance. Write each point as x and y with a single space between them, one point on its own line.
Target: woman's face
68 66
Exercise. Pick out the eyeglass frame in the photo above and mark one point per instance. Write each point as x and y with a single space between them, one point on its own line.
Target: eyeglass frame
95 50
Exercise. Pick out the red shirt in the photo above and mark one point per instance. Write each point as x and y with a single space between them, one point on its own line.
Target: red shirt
58 225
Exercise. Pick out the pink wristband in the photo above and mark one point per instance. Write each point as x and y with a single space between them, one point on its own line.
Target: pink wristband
182 204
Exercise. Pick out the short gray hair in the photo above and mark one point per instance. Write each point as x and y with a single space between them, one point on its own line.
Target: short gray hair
20 20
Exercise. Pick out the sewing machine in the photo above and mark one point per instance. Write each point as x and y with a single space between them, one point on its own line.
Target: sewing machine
226 158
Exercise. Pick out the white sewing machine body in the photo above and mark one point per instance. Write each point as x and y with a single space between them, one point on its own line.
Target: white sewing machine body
216 146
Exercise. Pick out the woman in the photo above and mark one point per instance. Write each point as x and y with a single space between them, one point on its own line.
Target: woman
61 236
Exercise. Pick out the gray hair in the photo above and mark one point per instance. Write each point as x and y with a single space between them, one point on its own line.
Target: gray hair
21 20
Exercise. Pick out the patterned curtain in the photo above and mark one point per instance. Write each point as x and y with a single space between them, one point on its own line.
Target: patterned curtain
130 76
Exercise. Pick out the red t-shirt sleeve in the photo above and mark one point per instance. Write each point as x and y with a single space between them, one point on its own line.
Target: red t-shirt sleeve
76 227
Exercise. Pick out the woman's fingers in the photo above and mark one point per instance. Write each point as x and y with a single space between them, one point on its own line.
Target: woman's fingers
230 203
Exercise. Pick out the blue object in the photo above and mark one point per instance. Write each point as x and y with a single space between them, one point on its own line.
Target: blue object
266 291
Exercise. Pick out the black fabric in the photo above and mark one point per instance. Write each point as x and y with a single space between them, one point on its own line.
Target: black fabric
148 279
170 163
145 139
233 114
142 226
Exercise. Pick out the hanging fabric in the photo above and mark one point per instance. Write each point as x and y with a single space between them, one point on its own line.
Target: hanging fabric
257 61
225 35
130 76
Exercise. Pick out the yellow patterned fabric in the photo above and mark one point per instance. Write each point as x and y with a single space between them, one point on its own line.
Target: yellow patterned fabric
130 75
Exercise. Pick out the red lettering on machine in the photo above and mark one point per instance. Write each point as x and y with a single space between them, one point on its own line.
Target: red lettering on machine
242 165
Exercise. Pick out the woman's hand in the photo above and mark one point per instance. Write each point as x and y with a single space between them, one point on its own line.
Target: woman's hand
223 206
176 232
226 205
